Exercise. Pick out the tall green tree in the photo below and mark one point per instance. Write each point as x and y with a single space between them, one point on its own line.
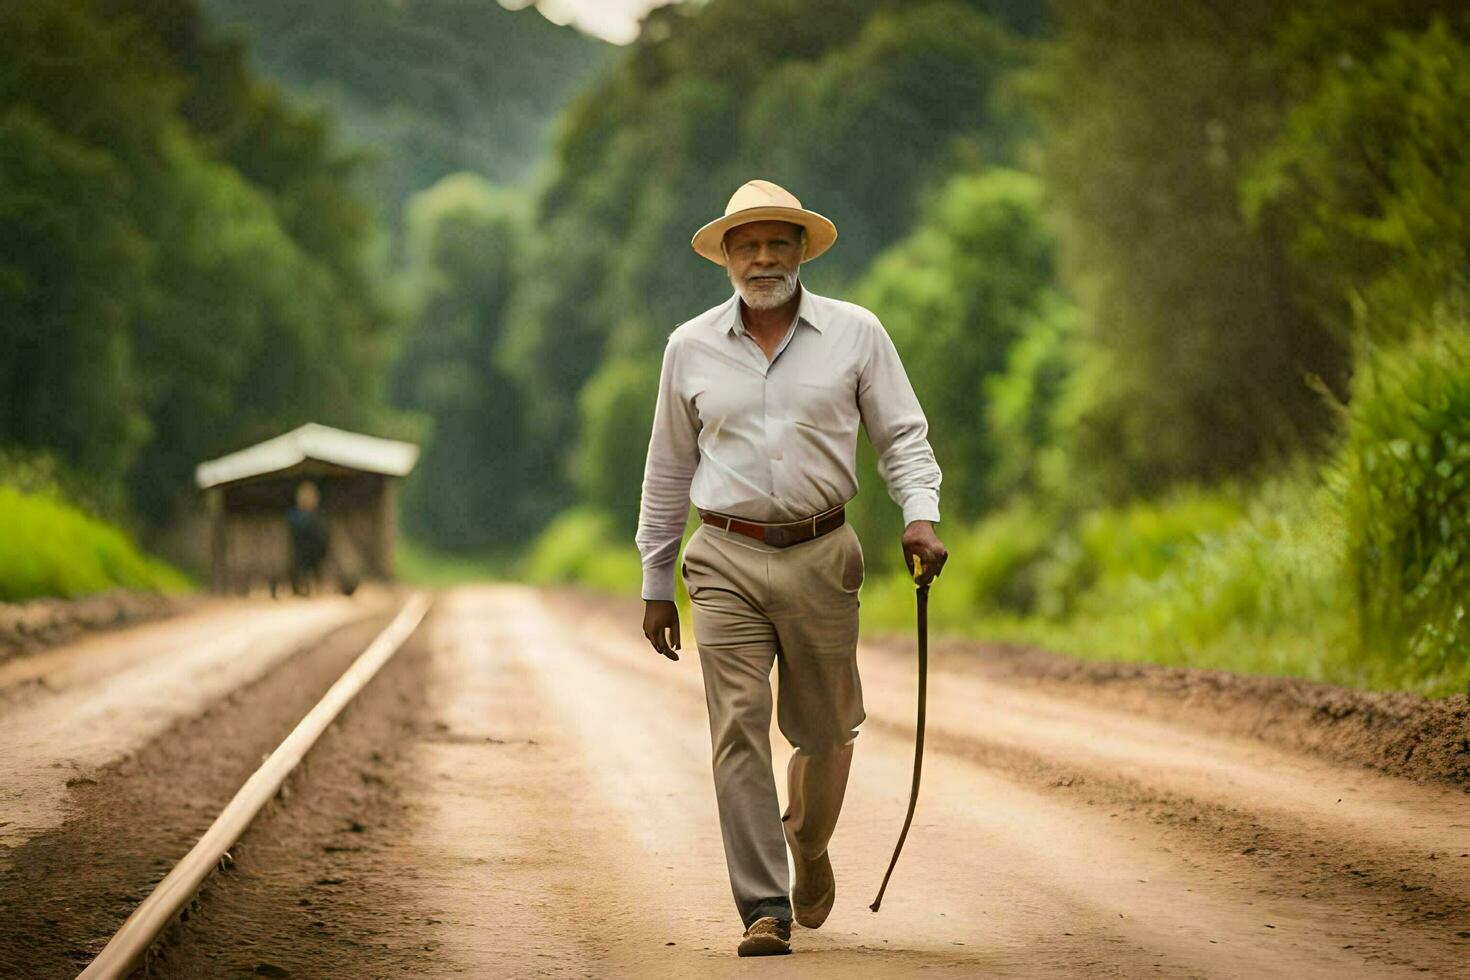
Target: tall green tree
74 255
1151 115
858 106
182 252
1370 179
465 242
956 295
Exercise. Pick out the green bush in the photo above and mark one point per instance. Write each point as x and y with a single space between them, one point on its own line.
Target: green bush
580 546
50 548
1230 579
1139 540
956 295
616 410
996 561
1407 464
989 573
1024 405
41 472
1261 593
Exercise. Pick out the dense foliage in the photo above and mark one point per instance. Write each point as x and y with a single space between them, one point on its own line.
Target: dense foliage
54 549
957 295
1122 322
857 106
179 253
463 243
1371 182
426 88
1408 502
1183 287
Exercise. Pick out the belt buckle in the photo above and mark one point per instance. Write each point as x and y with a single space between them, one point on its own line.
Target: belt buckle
778 537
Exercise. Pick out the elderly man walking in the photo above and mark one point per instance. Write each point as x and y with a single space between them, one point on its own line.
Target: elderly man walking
759 403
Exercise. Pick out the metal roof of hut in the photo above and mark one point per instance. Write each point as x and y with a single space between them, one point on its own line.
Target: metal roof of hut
310 442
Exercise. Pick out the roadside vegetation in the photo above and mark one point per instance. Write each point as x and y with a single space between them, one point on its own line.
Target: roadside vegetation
54 549
1183 287
1185 303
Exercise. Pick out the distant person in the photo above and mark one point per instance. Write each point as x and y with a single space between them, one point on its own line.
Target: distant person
309 537
756 422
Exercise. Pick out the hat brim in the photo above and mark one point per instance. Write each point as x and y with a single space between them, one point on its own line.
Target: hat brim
820 232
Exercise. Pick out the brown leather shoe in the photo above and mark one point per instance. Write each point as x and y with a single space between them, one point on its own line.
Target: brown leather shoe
815 889
767 936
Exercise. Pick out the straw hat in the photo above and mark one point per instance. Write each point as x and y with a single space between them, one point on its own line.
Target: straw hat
761 200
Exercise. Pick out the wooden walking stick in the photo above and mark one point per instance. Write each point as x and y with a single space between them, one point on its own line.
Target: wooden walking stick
922 599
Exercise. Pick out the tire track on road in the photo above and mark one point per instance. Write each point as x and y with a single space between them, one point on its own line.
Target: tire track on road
1339 924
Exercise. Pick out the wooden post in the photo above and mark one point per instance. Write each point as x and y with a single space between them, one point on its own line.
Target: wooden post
387 527
214 506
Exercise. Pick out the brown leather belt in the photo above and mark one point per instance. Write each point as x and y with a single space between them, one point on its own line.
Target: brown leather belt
780 535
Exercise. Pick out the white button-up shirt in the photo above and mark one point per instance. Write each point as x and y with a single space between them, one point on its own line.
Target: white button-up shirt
776 440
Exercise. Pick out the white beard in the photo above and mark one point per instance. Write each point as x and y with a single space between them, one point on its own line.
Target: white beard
767 296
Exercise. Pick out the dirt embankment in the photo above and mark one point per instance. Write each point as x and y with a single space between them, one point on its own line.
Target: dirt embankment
27 627
1393 732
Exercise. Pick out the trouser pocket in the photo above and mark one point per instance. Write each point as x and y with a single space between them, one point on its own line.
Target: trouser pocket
691 551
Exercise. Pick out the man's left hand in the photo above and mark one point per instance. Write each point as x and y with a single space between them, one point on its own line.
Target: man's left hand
919 539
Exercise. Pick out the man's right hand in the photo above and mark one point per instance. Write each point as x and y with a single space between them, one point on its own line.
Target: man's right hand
660 617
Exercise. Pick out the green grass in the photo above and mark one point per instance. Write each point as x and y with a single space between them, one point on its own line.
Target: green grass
580 546
1259 585
1406 472
50 548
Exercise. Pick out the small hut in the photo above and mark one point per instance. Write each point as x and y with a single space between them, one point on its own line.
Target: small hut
248 493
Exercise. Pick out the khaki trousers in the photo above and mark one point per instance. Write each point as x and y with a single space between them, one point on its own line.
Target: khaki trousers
756 606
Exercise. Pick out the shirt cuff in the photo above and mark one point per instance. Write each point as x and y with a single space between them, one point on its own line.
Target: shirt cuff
658 581
921 505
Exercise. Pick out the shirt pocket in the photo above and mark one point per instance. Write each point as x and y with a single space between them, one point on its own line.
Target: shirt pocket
827 406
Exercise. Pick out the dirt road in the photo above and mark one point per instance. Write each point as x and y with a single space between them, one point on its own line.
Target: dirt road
70 710
525 791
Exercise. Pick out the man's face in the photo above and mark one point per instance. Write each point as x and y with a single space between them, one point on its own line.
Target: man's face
307 496
762 258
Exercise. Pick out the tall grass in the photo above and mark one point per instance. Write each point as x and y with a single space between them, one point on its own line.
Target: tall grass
50 548
1225 578
1407 506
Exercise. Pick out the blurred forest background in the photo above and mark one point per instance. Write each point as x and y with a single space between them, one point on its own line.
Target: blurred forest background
1182 287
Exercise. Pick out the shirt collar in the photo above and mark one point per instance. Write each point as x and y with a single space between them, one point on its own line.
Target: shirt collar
806 311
